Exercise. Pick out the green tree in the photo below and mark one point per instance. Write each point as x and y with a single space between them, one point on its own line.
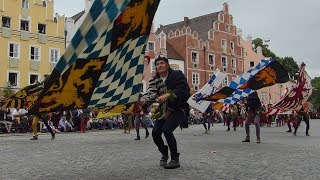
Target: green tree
315 97
7 91
288 62
265 48
291 66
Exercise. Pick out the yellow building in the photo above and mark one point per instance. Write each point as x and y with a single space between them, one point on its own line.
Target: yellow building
31 41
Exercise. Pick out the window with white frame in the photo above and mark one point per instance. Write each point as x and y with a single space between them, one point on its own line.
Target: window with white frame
34 53
224 44
194 57
54 55
153 66
195 78
42 28
14 50
233 65
24 25
6 21
211 59
13 79
33 78
264 96
232 45
251 63
174 67
151 46
224 63
225 81
25 4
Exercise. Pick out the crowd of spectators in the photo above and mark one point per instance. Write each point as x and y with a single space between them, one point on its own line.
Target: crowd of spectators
19 121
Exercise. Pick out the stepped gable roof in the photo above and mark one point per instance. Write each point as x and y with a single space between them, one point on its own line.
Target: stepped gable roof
201 25
78 16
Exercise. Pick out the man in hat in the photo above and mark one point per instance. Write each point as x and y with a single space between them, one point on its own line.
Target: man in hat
170 89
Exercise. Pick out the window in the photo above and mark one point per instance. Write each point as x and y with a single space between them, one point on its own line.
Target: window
225 81
232 45
153 67
35 53
195 78
194 57
174 67
251 63
224 44
42 28
224 63
33 78
227 27
6 21
24 25
25 4
14 50
13 79
264 96
54 55
151 46
233 63
211 59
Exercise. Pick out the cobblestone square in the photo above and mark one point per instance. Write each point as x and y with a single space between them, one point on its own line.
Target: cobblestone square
110 154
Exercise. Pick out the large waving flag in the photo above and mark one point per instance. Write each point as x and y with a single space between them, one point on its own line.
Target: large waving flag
298 95
208 89
24 98
267 73
103 64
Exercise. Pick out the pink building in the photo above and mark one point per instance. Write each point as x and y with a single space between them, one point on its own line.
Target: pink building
268 95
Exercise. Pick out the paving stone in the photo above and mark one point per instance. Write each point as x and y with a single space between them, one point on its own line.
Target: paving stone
110 154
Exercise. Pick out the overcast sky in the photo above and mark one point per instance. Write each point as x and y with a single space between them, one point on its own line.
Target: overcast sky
291 25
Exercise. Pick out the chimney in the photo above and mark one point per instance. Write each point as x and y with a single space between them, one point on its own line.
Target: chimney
186 21
259 50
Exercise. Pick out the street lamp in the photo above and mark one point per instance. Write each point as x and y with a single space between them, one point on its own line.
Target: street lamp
204 63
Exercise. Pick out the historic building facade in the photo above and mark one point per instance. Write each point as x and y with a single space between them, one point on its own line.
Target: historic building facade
31 42
204 44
